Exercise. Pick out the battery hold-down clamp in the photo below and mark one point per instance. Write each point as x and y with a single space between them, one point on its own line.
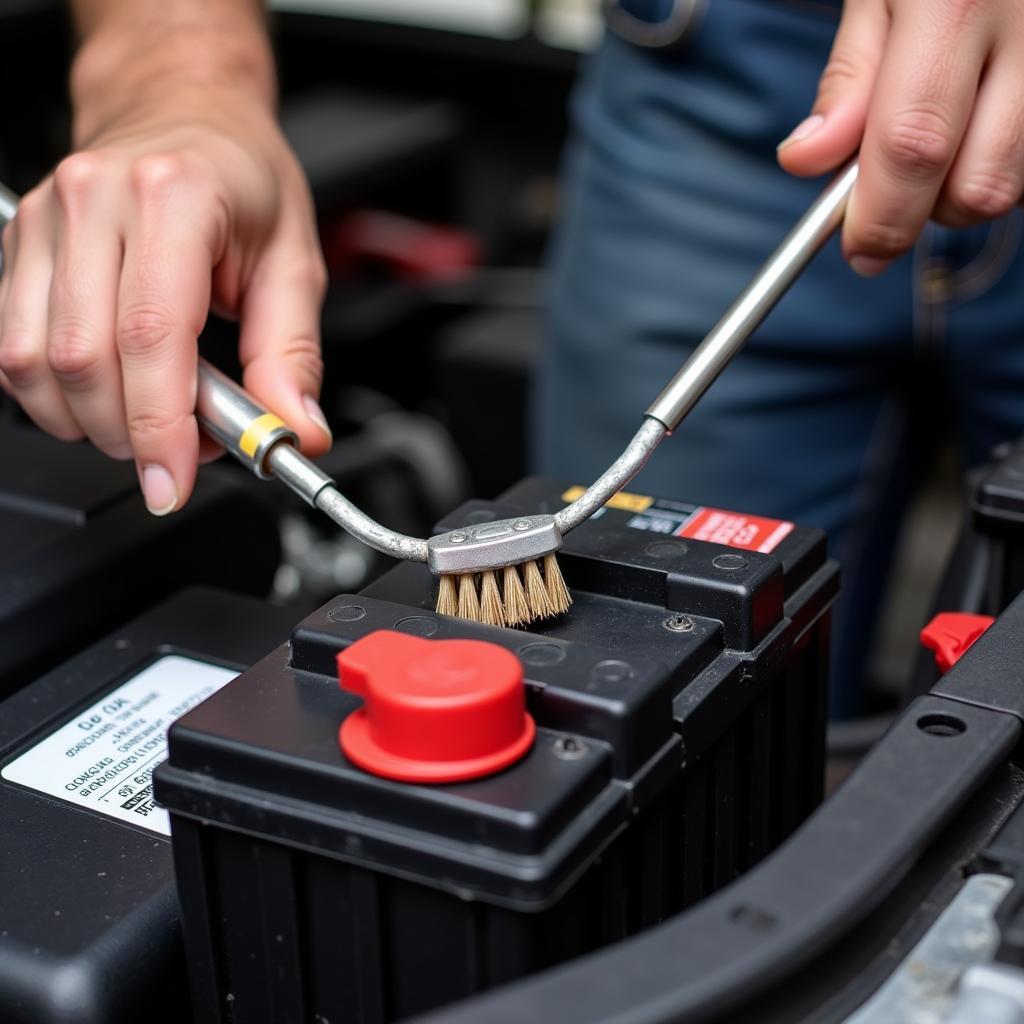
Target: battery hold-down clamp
434 710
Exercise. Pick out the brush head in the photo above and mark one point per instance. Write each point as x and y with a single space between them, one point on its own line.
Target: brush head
517 611
559 597
448 595
536 592
469 601
492 611
515 596
493 545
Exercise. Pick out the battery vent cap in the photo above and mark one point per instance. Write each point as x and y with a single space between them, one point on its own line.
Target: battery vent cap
433 710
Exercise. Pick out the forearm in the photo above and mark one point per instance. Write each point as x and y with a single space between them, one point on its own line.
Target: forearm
134 52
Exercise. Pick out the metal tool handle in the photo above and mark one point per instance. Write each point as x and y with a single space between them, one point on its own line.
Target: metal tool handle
233 418
756 301
8 204
264 443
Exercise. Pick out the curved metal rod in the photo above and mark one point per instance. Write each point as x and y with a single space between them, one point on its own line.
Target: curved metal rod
615 477
305 478
336 506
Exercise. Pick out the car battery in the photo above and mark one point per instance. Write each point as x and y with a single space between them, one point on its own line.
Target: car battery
79 553
737 609
89 928
678 715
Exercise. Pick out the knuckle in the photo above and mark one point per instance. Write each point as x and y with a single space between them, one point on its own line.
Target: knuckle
305 354
842 69
986 195
147 425
918 143
875 238
965 11
144 330
156 174
20 361
76 177
32 208
72 355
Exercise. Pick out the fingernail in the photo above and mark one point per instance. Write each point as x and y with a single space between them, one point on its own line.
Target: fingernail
159 490
316 414
804 130
868 266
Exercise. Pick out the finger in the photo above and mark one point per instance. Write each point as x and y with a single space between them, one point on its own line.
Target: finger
170 248
82 351
209 450
922 102
832 132
280 338
987 177
28 271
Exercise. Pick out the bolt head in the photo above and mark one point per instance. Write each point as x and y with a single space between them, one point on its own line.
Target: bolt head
679 623
568 748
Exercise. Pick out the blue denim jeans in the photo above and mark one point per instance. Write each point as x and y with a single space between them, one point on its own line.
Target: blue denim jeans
672 199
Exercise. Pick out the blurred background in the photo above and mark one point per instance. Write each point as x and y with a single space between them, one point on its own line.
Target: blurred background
431 132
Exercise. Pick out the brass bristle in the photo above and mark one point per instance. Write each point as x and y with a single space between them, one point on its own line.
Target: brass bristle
516 608
447 596
558 593
491 610
469 604
536 592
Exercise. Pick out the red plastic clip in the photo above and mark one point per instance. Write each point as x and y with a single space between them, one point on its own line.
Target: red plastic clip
950 635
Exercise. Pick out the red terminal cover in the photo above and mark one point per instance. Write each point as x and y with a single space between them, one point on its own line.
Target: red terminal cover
951 634
434 710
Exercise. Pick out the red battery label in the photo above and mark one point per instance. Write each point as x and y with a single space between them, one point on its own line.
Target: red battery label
735 529
679 519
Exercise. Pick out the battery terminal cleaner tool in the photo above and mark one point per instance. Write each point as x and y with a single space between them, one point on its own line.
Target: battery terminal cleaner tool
506 573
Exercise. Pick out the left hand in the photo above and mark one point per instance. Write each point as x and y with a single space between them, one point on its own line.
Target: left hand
932 93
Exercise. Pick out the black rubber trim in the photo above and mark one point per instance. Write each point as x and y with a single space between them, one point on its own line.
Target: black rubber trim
786 912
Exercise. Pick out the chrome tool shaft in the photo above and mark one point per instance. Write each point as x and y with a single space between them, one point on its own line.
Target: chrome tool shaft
720 345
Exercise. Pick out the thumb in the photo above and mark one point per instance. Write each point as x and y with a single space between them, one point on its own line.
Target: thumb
833 131
279 345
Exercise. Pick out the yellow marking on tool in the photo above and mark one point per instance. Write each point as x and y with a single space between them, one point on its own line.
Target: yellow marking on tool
257 431
622 500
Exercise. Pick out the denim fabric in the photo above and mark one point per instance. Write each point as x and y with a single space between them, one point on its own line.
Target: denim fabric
672 199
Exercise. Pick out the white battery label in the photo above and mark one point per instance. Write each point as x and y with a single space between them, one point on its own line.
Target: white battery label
104 758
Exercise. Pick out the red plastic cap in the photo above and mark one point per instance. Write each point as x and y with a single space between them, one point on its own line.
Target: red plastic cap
434 710
950 634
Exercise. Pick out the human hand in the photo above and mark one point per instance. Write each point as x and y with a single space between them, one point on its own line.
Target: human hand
177 203
932 93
